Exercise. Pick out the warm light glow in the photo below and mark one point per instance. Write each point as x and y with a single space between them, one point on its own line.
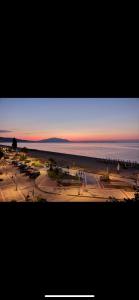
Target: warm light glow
72 119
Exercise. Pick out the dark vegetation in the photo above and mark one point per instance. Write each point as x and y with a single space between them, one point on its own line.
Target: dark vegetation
14 144
1 154
62 178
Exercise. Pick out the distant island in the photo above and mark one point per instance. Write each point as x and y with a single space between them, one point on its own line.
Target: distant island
54 140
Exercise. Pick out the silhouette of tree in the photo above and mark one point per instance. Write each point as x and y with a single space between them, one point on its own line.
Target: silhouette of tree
14 144
1 154
24 150
52 161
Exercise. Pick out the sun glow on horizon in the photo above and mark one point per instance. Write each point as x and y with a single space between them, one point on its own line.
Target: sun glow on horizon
72 119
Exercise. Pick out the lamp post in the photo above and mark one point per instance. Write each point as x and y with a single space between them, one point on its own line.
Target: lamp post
33 191
118 167
137 181
15 182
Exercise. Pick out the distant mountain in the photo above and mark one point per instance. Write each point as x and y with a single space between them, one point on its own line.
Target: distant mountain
50 140
54 140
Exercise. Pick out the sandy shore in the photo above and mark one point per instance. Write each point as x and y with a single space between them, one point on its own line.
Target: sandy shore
90 164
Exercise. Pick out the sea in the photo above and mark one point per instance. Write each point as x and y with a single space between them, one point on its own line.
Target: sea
120 151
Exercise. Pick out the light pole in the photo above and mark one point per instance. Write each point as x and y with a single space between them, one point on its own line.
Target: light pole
33 191
118 168
15 181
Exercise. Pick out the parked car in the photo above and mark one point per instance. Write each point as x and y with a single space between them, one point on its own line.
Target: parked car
19 164
22 166
29 171
22 170
14 162
34 175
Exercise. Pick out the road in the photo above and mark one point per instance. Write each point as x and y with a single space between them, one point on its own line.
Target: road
92 180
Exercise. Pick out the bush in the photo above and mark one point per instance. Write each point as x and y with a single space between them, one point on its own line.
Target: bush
24 150
37 164
40 199
23 157
52 161
55 174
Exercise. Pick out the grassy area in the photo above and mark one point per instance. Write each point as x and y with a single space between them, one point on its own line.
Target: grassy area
58 175
37 163
55 173
23 157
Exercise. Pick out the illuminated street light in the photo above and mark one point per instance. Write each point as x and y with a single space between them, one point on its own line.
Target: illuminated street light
118 167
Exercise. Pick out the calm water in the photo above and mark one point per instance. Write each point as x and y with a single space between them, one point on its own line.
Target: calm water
122 151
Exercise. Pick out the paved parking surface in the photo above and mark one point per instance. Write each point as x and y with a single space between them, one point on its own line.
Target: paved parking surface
18 187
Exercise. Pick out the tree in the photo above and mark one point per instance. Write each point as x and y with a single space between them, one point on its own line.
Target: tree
14 144
1 154
52 161
24 150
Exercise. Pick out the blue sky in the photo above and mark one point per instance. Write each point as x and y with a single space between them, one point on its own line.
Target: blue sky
75 119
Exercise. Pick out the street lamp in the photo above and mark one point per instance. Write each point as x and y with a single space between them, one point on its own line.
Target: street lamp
33 193
15 182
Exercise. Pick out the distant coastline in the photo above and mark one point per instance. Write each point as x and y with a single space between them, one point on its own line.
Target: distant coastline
59 140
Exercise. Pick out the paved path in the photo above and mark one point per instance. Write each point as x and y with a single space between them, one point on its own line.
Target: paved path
93 180
47 189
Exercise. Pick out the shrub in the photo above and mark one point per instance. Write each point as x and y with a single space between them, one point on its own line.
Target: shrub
24 150
23 157
55 174
40 199
52 161
37 164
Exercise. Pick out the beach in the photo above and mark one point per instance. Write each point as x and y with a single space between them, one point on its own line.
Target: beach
121 184
89 164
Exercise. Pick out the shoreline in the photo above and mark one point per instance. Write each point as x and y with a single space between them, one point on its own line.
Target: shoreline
92 164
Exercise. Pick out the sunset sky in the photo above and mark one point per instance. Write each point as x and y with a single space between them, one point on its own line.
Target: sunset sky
73 119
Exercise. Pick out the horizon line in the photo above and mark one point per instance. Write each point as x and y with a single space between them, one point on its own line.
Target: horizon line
74 141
